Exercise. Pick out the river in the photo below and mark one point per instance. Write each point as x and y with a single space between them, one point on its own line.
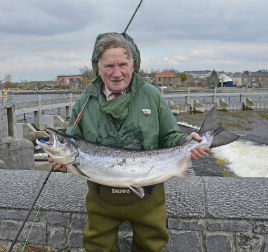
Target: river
247 157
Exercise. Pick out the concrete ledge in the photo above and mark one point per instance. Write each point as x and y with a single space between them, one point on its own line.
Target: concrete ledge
204 213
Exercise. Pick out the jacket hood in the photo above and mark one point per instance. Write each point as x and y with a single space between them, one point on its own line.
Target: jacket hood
136 53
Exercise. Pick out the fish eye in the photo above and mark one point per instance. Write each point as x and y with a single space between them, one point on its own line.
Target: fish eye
61 139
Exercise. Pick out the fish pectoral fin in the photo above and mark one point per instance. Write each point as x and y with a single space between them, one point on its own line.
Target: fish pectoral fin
137 190
78 172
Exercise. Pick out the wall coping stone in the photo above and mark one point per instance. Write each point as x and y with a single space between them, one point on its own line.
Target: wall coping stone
198 197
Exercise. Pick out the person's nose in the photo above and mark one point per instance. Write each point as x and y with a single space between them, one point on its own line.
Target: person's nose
116 72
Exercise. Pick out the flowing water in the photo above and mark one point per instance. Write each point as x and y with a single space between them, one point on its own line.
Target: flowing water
244 158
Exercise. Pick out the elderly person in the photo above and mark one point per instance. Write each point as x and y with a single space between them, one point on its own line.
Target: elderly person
119 109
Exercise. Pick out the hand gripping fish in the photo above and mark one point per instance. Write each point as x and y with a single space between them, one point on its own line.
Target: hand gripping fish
131 169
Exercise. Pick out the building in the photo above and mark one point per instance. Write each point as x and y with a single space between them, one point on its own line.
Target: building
199 74
167 79
71 81
255 79
237 80
225 80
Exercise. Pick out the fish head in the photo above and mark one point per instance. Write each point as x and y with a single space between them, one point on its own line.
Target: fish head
60 147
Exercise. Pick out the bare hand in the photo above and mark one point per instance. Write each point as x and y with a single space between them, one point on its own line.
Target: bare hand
57 166
198 152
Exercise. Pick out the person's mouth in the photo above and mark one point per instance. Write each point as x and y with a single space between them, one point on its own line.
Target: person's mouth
116 81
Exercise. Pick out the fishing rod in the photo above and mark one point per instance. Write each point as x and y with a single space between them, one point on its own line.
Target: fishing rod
132 17
30 210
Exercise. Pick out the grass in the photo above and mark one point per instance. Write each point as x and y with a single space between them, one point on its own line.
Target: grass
238 116
263 115
234 125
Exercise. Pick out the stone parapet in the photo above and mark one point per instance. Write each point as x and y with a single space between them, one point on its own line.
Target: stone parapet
16 154
205 214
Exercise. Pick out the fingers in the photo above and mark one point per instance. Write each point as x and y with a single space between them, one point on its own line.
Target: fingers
57 167
195 136
199 152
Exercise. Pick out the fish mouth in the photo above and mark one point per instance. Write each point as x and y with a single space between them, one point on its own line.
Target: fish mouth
50 142
51 139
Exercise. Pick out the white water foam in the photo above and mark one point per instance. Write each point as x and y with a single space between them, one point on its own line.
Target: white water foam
245 158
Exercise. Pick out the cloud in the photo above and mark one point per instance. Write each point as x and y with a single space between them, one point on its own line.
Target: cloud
42 39
217 55
43 17
236 20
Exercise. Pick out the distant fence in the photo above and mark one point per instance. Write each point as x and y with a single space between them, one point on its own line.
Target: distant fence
43 104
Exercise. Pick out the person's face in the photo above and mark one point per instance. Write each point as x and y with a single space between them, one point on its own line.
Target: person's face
116 69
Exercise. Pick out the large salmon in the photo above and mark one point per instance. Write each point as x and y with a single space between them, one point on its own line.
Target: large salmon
127 168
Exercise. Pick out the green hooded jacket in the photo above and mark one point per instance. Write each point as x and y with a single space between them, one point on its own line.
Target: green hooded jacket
139 119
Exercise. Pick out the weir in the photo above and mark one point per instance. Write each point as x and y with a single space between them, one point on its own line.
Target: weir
193 101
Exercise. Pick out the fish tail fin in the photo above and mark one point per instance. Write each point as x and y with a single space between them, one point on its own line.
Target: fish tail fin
221 136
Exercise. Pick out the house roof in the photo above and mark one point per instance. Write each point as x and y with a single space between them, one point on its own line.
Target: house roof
165 75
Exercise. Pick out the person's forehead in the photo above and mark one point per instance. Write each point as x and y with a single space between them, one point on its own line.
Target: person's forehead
115 54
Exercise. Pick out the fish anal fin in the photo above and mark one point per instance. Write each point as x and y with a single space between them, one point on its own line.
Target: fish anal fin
182 166
137 190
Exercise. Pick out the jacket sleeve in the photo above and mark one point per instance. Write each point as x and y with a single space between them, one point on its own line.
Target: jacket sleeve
169 132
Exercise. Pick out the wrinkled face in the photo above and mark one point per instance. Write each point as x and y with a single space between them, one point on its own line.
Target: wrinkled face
116 69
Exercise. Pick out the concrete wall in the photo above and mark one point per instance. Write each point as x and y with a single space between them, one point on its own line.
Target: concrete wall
205 214
16 154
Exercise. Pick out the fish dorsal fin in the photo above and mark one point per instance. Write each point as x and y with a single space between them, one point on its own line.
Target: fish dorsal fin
221 136
137 190
211 122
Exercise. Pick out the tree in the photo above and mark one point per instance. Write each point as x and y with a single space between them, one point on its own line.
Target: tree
142 73
87 75
214 78
183 77
7 81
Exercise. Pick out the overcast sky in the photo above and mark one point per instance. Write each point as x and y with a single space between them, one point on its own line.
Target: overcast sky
42 39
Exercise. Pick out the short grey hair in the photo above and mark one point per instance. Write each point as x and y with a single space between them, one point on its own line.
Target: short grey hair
112 40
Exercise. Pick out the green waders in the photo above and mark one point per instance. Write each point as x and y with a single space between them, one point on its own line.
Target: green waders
105 214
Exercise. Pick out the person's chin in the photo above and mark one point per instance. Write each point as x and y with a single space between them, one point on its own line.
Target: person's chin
118 86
